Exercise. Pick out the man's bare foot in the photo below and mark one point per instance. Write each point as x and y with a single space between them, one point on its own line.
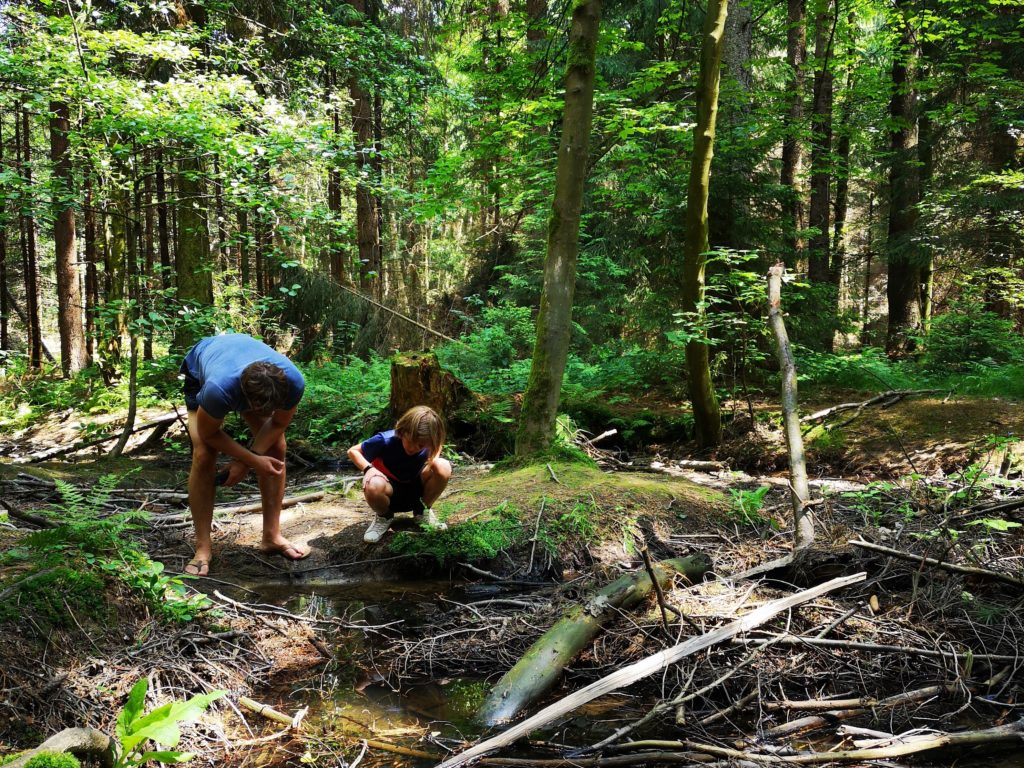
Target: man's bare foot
198 566
284 548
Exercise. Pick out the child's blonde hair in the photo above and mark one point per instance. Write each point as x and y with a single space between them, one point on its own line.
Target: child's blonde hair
422 423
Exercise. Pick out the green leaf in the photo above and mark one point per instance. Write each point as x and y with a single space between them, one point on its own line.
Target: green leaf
165 757
132 708
996 524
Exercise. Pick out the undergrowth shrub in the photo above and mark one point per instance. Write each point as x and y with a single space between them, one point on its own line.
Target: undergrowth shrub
867 369
65 568
343 403
53 760
470 541
967 335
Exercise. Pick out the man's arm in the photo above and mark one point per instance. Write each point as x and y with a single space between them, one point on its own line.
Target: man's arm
210 432
272 429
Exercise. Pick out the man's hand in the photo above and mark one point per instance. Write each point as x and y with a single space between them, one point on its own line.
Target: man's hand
236 473
268 466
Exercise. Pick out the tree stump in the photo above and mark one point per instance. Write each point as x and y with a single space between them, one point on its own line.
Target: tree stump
418 379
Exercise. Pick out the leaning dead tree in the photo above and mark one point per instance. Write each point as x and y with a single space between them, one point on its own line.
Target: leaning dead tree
543 664
800 492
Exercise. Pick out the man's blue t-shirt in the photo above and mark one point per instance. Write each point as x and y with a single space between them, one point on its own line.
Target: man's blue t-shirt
217 363
384 450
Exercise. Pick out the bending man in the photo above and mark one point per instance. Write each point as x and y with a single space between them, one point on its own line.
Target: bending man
235 372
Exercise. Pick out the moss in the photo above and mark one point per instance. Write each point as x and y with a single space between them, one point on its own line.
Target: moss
53 760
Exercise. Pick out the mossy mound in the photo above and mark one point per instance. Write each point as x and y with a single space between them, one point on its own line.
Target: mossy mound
549 516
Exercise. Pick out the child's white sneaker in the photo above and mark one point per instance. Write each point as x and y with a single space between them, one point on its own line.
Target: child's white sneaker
377 529
431 522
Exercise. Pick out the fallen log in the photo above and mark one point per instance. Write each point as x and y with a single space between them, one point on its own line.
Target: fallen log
649 666
81 445
965 569
543 664
81 742
267 711
886 399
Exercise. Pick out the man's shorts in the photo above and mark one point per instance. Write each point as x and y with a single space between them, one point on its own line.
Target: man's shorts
407 497
191 386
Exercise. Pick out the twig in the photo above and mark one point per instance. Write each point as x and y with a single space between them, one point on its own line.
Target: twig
536 528
553 475
967 569
657 591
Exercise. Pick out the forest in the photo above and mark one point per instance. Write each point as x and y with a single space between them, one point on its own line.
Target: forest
711 316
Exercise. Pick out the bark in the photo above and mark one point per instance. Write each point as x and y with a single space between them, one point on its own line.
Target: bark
821 146
842 198
335 247
367 212
192 267
243 246
92 284
554 321
706 415
162 227
903 287
543 664
149 284
792 201
800 492
30 263
115 247
69 292
5 339
418 379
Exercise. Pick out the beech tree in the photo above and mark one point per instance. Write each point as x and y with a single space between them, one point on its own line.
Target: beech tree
554 321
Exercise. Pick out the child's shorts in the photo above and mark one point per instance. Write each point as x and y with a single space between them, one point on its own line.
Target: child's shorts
407 497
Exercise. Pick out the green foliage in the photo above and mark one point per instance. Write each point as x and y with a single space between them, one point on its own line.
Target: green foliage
134 729
969 334
53 760
867 370
747 505
471 541
69 565
343 403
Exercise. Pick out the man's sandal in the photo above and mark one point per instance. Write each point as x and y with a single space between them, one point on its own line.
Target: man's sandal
199 564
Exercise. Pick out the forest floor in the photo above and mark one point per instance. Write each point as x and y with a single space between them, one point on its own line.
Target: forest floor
921 475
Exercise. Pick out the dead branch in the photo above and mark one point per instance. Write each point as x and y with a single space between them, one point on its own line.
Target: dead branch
904 649
966 569
803 520
83 444
908 744
288 501
885 399
649 666
27 517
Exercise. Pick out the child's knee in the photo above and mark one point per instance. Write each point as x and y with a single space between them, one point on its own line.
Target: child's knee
442 468
375 487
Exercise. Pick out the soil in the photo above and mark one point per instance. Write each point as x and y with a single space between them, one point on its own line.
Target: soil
78 673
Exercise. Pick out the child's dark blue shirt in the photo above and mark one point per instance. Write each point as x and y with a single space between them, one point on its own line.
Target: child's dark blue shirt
384 450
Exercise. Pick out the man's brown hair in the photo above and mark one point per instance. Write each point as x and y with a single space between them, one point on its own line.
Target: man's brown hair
266 387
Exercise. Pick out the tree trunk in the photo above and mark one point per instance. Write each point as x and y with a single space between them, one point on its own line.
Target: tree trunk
30 263
818 270
69 292
903 288
792 201
335 246
706 416
554 321
243 246
367 214
162 227
800 492
92 283
192 267
543 664
149 283
5 339
842 198
418 379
